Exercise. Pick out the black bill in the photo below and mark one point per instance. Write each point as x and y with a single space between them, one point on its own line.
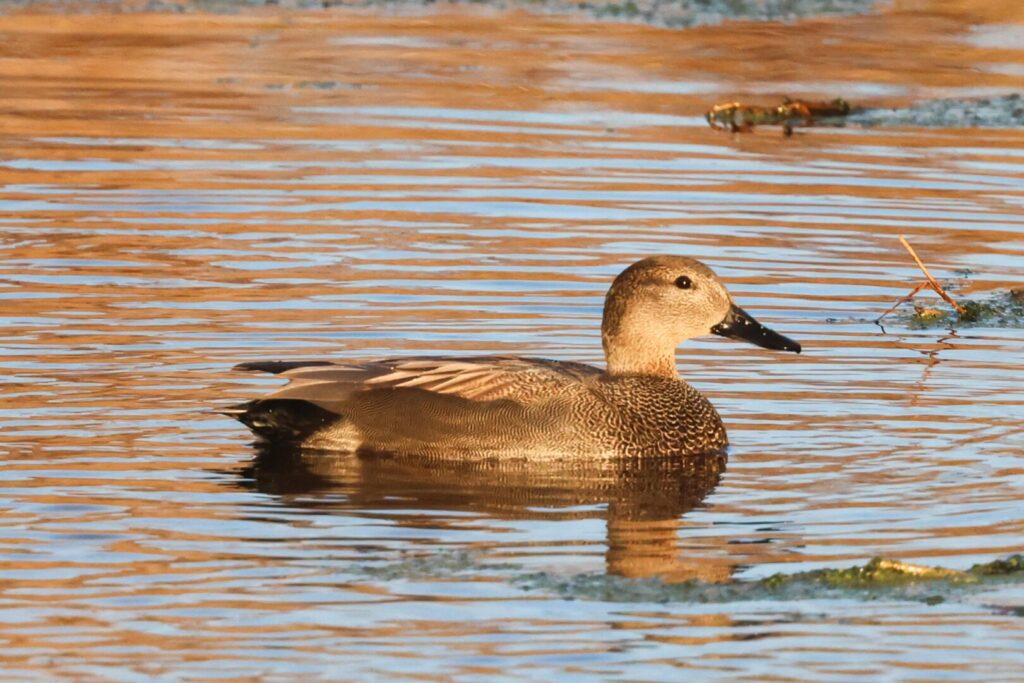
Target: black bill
738 324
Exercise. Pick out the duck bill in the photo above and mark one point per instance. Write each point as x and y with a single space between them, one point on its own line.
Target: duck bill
738 324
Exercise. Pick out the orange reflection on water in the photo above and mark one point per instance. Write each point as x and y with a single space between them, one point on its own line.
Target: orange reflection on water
182 193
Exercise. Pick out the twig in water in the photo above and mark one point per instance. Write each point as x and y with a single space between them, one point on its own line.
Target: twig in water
930 282
741 118
904 300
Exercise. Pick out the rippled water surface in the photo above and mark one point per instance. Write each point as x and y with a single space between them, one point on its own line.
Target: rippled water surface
181 193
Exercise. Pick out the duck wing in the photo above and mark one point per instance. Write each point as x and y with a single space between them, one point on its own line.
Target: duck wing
476 379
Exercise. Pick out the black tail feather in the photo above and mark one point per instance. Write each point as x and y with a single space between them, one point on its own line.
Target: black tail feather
281 420
278 366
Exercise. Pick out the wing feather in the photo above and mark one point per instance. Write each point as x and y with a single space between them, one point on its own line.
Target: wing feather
484 378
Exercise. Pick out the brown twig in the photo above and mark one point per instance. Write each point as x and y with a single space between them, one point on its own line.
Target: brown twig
931 280
904 300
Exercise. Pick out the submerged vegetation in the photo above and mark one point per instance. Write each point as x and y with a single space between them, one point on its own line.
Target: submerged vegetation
999 309
1002 309
1005 111
879 572
879 578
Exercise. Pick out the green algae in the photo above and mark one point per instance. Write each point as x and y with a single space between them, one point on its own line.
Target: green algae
1002 309
1011 566
879 578
877 573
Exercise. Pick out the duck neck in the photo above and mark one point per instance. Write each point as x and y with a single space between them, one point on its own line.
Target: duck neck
628 355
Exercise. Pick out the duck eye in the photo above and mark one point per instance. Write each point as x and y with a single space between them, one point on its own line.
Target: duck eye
683 282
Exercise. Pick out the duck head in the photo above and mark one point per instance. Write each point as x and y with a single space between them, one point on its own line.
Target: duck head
660 302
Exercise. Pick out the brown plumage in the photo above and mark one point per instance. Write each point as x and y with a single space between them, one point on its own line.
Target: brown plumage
511 407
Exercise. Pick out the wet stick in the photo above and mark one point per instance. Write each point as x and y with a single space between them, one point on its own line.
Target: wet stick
904 300
931 280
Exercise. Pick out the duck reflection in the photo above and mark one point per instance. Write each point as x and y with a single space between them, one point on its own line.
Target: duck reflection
642 500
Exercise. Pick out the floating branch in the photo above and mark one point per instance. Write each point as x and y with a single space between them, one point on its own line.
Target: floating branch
741 118
929 282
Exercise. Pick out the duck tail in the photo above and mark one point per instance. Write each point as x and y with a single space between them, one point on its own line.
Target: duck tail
281 420
276 367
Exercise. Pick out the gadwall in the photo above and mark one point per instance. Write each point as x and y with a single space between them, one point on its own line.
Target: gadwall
509 407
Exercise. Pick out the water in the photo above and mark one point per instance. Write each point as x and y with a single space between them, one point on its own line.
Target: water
182 193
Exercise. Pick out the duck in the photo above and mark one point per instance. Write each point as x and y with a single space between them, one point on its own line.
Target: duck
499 407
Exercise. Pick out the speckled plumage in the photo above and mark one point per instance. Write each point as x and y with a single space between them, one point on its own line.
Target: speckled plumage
511 407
